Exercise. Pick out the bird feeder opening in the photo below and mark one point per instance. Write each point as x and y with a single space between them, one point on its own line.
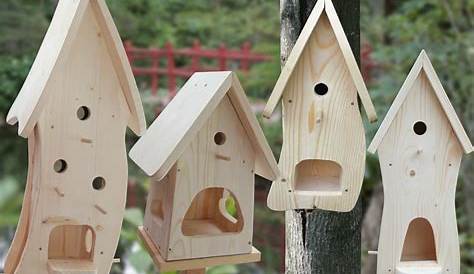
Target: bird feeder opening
419 242
321 176
213 211
71 242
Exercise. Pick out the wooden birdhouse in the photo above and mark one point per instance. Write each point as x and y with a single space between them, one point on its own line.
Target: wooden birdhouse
202 154
420 145
74 108
323 156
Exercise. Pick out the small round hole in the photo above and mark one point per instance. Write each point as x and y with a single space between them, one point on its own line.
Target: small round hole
98 183
83 113
60 166
219 138
321 89
419 128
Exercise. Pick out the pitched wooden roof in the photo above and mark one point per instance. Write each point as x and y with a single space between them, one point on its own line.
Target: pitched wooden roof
423 63
55 48
305 35
174 129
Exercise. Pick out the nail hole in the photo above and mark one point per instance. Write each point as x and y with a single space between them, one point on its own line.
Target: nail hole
98 183
321 89
419 128
219 138
60 166
83 113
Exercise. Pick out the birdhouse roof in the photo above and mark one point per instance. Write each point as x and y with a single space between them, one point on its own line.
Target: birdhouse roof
55 49
176 127
294 58
423 63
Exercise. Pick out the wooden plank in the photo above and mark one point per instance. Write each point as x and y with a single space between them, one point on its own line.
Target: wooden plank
193 264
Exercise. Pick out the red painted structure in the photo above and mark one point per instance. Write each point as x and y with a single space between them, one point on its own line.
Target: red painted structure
162 62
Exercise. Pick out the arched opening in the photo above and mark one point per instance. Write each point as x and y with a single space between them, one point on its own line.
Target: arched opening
419 244
71 242
318 176
213 211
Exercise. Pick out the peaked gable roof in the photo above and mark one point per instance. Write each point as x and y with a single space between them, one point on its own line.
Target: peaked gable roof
305 35
423 63
174 129
56 46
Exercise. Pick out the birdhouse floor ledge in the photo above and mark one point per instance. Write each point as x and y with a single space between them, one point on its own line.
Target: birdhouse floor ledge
191 264
419 267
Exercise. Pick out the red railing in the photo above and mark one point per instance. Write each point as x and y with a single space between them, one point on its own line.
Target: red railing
161 62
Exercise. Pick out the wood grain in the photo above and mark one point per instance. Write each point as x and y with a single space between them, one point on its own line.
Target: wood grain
419 176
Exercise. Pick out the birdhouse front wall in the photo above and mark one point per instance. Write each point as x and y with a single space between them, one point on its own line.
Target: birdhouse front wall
215 170
420 157
79 177
323 154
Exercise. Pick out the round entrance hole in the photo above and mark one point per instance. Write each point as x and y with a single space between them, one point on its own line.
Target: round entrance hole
419 128
98 183
219 138
321 89
60 166
83 113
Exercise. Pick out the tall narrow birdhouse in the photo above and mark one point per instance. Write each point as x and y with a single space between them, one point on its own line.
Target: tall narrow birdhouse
420 145
202 154
323 156
74 108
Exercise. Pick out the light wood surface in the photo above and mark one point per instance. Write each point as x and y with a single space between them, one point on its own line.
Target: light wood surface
192 193
423 64
213 152
322 161
322 9
166 139
56 49
193 264
419 169
75 122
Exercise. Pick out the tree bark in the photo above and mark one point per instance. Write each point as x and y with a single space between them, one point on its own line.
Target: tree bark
318 241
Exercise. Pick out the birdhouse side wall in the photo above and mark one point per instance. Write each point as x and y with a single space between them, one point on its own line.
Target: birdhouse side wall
217 165
322 121
420 166
81 175
159 209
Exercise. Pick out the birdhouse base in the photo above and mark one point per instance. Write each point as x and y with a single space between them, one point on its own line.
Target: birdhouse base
419 267
192 264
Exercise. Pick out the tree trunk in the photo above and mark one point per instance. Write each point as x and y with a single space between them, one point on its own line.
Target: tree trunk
320 241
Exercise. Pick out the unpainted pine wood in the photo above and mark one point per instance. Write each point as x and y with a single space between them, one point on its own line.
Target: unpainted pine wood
161 192
265 163
194 264
159 149
170 133
297 53
21 234
203 165
423 63
54 51
419 177
321 127
93 147
123 69
70 267
317 239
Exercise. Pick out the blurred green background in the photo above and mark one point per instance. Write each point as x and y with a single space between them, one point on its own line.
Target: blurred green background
393 33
